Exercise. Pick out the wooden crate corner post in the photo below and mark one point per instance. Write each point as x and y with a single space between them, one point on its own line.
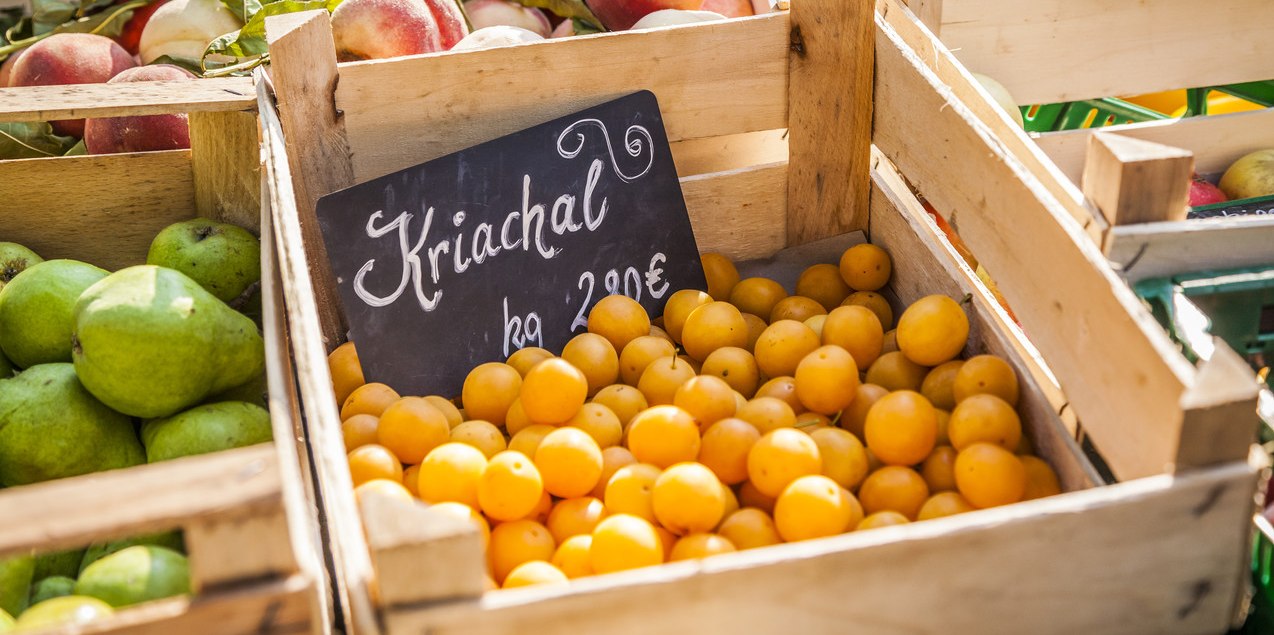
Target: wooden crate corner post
829 118
304 63
406 540
1135 181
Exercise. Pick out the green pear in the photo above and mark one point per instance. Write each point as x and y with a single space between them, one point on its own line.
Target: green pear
15 583
204 429
253 392
136 574
58 563
51 427
150 342
224 259
36 307
169 539
14 259
63 611
54 586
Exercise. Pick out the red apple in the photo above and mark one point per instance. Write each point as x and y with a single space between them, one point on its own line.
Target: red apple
728 8
1204 193
485 13
6 67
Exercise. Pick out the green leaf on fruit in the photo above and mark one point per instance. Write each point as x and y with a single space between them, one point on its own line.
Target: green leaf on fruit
47 15
571 9
250 40
187 63
243 9
32 140
584 28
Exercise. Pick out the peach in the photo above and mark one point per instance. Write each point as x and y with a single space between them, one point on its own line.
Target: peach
377 29
621 15
6 67
70 58
728 8
484 13
145 133
184 28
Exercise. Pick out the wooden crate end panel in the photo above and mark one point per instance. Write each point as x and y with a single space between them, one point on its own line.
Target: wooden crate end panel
1100 545
711 79
739 213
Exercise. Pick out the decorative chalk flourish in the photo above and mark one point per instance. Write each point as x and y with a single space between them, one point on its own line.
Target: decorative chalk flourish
632 144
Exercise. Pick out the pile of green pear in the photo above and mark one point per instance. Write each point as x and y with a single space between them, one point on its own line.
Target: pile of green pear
82 585
101 370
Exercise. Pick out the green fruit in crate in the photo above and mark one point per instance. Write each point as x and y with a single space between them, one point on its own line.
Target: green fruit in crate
224 259
63 611
1002 98
14 259
15 583
150 342
51 427
204 429
36 309
1250 176
52 587
64 563
169 539
254 392
136 574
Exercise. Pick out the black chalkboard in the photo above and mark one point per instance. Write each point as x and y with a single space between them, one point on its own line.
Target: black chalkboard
1260 206
436 273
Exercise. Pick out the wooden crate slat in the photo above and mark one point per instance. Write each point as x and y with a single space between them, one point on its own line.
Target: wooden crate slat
225 154
1073 307
1007 132
76 101
1216 141
279 607
1164 249
1064 50
739 213
729 152
60 206
712 79
1012 557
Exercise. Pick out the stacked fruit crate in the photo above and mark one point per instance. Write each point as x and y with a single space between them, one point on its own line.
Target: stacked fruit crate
246 516
404 568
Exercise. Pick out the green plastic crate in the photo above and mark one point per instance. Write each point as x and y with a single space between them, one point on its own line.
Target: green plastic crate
1111 111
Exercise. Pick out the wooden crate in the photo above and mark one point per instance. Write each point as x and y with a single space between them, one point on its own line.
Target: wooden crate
1162 552
1065 50
1142 403
248 515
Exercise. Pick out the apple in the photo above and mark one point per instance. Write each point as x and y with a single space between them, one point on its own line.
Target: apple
1250 176
1203 192
728 8
6 67
130 37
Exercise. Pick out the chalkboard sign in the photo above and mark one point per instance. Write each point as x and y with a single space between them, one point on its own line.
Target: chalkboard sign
1260 206
507 244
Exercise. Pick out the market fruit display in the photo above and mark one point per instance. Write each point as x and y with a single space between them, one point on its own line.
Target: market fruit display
90 355
687 437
